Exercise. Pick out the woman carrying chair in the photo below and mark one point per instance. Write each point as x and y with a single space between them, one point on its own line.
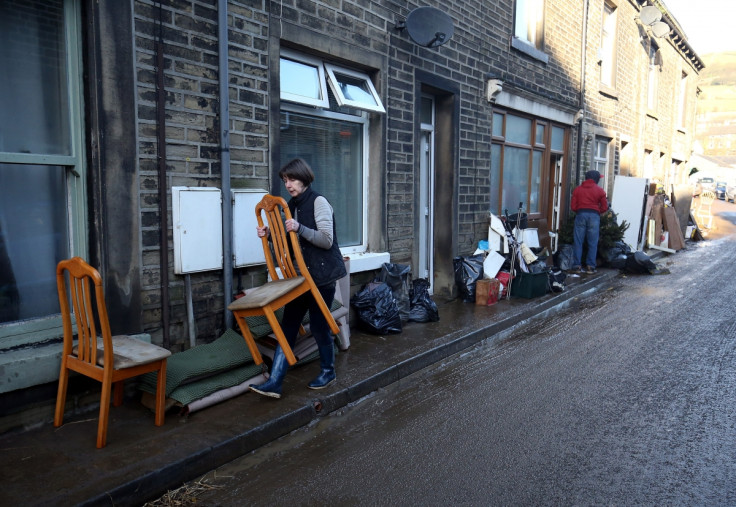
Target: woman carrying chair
313 221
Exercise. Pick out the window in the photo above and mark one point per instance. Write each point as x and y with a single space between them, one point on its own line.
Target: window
529 22
520 154
600 157
334 140
354 89
682 102
42 198
303 80
608 46
655 66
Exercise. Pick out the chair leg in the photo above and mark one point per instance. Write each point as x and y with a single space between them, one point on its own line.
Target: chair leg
160 394
325 311
252 347
118 390
104 413
280 337
61 395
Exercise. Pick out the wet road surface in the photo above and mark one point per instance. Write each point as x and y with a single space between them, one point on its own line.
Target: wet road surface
626 397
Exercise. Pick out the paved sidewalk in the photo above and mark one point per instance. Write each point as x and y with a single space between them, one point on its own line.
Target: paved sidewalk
61 466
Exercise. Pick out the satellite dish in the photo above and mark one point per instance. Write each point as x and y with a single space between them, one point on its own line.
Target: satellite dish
649 15
660 29
428 26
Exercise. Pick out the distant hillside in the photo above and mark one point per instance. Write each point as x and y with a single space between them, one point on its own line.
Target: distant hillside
718 83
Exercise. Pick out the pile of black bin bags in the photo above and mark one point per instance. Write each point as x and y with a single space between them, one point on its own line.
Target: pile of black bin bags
388 302
468 270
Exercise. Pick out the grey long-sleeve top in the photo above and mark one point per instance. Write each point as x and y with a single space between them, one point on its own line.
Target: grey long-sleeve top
322 237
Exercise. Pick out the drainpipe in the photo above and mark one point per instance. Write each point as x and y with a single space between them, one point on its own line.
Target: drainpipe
584 49
163 203
227 202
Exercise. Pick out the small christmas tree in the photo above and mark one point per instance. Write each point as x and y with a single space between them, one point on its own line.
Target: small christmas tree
610 231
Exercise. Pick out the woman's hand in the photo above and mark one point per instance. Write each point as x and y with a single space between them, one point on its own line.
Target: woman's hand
262 231
292 225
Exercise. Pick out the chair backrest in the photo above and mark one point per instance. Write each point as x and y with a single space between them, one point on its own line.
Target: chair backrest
707 198
283 257
87 315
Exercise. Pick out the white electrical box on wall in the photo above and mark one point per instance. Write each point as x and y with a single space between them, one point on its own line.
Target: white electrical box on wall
247 246
197 216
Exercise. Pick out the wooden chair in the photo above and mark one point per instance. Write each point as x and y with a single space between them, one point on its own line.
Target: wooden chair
704 210
106 358
284 287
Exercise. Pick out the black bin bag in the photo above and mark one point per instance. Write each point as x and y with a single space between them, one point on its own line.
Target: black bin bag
396 276
468 270
423 309
378 312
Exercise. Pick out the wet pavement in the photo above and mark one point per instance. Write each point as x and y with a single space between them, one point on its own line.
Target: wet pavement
61 466
624 398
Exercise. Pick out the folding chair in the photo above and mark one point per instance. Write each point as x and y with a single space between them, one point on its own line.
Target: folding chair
291 284
704 211
106 358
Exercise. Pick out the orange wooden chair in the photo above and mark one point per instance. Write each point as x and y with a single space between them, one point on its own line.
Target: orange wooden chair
291 284
106 358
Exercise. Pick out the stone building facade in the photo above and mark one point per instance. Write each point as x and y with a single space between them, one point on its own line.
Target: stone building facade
413 145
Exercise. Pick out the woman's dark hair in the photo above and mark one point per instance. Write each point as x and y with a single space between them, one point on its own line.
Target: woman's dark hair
297 169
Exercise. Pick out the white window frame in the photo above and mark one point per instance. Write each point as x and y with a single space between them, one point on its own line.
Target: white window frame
364 121
682 103
653 76
529 22
608 45
601 162
344 101
323 100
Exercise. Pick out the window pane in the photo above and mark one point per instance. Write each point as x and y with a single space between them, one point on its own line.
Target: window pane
539 139
558 138
33 239
608 37
536 181
529 15
300 79
497 125
34 97
495 176
426 112
334 150
601 147
515 177
355 89
518 130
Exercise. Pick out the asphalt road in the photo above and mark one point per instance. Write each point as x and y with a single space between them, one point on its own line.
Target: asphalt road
626 397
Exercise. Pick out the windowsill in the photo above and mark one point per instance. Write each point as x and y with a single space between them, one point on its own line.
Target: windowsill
529 50
682 130
367 261
652 115
32 366
609 92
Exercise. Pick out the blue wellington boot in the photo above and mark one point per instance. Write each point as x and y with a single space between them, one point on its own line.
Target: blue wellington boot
272 387
327 365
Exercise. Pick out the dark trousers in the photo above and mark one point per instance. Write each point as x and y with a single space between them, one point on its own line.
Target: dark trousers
295 311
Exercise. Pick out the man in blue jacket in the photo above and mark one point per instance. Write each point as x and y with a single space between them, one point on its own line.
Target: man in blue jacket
588 202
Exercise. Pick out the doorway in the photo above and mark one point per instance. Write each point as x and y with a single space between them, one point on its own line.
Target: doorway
425 233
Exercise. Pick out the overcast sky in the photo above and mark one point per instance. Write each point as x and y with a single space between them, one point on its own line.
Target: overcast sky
708 24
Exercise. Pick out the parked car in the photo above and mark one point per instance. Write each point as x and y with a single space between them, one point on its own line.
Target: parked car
703 184
707 184
721 190
731 193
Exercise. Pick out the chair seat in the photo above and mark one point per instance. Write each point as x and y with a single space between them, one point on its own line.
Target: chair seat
129 352
265 294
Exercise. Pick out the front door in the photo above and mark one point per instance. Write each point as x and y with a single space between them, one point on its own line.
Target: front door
426 192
